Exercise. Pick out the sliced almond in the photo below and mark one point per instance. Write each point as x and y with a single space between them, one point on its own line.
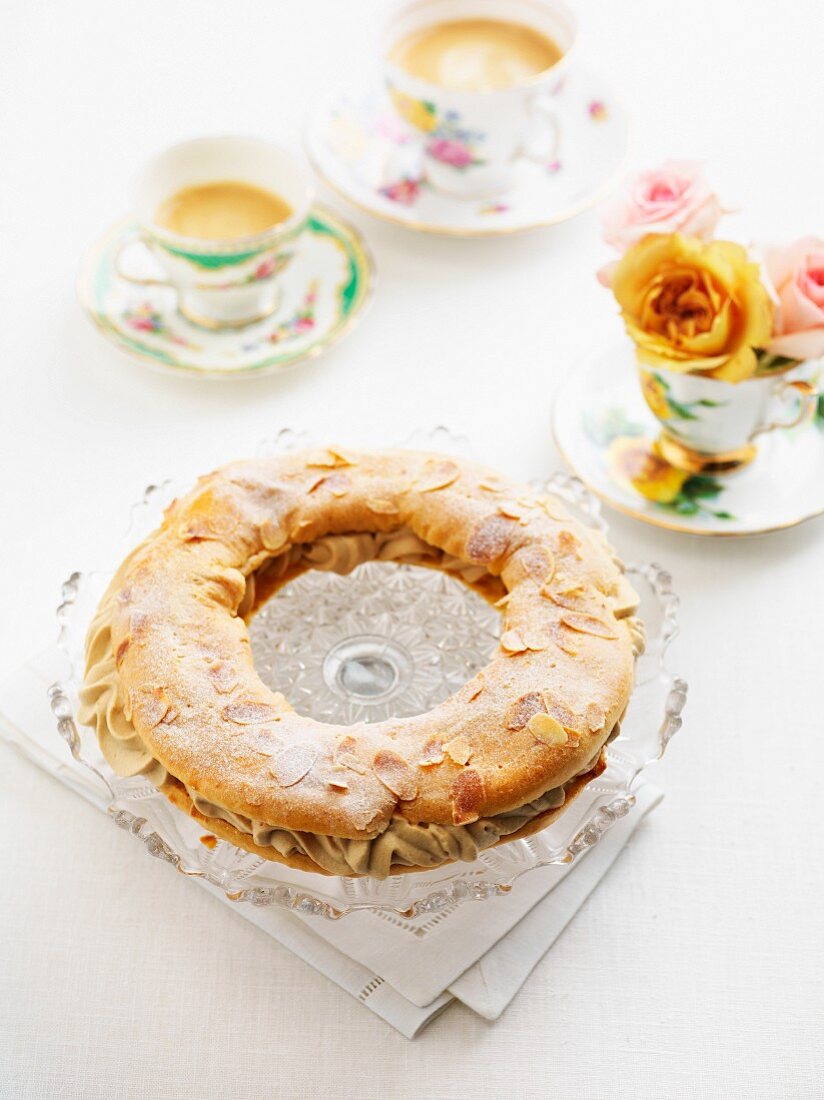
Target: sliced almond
313 483
510 509
343 456
512 642
439 477
553 509
338 783
570 596
474 689
293 763
250 713
273 536
396 774
489 540
382 507
459 750
223 676
519 713
346 744
559 712
329 457
263 742
467 796
150 706
348 760
588 624
344 755
569 544
561 640
337 484
596 717
539 564
431 754
547 730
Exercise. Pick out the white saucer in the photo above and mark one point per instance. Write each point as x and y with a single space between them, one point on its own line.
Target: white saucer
323 292
599 415
362 149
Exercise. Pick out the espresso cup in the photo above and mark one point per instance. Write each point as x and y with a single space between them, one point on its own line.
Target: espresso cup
710 425
473 140
219 283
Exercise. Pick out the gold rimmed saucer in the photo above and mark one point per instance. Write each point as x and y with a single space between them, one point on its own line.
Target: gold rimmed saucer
607 435
361 149
323 293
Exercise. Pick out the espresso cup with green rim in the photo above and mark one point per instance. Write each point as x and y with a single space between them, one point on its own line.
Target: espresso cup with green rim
220 283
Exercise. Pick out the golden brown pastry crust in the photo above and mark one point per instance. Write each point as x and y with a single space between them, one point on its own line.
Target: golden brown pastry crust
528 722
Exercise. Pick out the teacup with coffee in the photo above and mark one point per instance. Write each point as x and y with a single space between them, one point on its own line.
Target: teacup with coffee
480 80
221 216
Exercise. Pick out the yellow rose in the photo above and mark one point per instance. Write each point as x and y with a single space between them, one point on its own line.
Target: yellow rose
638 464
417 113
693 306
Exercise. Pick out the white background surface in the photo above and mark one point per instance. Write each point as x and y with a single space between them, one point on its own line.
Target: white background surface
696 968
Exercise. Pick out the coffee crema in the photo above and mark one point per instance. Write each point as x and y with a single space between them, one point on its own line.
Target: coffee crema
475 55
222 210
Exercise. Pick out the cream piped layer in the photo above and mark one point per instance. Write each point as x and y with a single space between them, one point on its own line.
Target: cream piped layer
402 843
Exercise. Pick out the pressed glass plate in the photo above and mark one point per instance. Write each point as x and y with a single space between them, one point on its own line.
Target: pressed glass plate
386 640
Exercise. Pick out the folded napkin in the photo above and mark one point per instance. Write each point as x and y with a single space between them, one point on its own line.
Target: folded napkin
406 971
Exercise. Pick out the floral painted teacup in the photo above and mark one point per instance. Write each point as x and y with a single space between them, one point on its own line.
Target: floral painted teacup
710 425
472 140
219 283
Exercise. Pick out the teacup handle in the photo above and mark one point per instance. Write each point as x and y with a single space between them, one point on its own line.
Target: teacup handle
543 109
136 238
791 388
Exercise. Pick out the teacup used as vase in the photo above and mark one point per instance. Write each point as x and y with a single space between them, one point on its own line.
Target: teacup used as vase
479 110
709 426
225 281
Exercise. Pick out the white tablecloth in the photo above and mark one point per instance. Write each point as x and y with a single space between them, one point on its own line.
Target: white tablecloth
695 969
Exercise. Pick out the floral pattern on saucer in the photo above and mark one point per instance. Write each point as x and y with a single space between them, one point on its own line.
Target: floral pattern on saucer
371 152
635 461
323 292
446 139
607 435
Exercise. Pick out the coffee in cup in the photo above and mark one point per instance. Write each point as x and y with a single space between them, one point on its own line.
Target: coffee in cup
221 210
481 82
221 216
476 55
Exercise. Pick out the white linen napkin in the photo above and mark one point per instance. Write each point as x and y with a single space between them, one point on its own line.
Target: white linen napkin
406 972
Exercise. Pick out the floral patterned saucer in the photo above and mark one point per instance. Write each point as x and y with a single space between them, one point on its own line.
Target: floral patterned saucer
362 149
323 292
606 435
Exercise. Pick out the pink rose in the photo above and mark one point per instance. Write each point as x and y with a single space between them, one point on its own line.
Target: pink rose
797 275
674 198
449 152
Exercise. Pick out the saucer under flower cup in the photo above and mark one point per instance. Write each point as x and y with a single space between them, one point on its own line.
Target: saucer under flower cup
322 293
608 435
363 149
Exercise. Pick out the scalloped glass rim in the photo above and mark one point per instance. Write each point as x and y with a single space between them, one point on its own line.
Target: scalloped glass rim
134 804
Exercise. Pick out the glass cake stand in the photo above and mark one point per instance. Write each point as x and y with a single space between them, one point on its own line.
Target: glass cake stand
386 640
